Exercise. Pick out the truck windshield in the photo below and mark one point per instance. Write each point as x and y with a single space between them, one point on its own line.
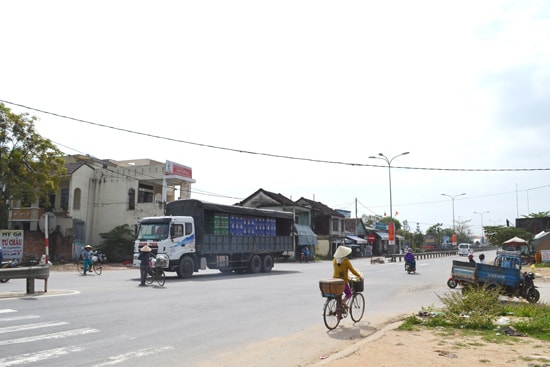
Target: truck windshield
153 231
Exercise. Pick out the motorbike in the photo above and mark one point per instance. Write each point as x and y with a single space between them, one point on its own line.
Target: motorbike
528 289
8 264
453 283
409 267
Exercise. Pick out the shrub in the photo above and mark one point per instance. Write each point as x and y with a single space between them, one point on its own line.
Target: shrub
118 244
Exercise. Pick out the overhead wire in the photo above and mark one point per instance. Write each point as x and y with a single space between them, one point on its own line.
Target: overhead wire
272 154
197 191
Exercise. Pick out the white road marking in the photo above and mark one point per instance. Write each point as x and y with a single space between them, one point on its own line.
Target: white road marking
60 335
17 318
131 355
11 329
37 356
7 310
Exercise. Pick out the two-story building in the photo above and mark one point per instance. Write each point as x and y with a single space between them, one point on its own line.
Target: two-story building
328 225
97 195
303 234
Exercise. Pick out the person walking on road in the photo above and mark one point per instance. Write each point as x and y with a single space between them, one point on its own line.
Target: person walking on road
87 257
145 258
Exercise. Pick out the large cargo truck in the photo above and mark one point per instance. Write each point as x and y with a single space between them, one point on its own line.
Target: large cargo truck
195 235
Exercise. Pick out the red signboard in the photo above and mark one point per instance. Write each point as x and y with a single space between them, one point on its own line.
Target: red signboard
174 169
371 237
391 231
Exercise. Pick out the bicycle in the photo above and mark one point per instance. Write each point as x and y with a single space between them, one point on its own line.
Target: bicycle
156 272
335 309
97 263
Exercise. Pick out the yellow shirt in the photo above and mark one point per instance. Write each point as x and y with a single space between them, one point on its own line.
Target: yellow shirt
341 270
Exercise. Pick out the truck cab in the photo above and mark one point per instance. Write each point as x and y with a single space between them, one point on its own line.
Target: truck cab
173 236
508 259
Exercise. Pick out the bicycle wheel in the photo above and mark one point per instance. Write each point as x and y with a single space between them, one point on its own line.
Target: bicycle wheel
161 277
330 314
98 268
80 267
149 278
357 307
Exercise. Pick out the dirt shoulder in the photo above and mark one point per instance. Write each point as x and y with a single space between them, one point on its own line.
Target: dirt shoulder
429 347
442 348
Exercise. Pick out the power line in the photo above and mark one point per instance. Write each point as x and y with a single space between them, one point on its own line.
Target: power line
277 155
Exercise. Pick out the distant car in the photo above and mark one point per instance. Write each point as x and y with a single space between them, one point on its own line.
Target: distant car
464 249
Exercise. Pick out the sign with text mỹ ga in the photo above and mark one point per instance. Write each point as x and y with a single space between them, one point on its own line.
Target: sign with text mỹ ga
12 244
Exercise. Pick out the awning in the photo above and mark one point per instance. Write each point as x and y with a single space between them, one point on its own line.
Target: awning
306 237
383 235
358 240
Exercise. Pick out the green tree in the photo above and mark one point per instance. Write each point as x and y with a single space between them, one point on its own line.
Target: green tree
538 215
496 235
395 221
118 243
31 166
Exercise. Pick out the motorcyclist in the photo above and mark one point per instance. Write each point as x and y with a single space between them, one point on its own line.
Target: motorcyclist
409 258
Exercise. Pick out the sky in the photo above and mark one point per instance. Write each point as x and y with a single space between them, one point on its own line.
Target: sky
295 96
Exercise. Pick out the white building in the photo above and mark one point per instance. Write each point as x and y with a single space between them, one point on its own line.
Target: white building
97 195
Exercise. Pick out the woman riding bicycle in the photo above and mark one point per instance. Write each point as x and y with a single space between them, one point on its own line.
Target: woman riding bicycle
342 265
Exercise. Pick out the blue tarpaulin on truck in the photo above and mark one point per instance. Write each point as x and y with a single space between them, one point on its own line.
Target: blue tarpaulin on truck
306 237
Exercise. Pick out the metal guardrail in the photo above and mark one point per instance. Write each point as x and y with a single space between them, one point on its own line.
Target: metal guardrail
26 272
421 255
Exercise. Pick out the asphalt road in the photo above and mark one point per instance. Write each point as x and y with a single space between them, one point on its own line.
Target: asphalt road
209 320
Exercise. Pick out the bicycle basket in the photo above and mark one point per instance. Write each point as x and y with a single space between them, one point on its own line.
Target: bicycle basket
334 286
162 262
357 284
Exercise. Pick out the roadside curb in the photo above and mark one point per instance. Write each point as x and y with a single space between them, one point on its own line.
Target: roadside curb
55 292
359 345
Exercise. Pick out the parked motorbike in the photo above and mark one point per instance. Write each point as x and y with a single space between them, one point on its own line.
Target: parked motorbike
8 264
409 267
528 289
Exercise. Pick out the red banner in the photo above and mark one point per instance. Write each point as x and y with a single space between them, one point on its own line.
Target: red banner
391 231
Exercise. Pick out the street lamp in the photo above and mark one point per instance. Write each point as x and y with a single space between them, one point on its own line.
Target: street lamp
388 161
453 198
482 233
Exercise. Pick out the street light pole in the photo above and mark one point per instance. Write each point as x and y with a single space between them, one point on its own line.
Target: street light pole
453 199
482 232
388 161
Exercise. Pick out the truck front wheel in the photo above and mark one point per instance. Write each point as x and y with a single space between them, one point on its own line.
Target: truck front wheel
186 267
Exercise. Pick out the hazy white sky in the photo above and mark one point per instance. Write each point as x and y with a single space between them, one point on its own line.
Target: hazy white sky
460 85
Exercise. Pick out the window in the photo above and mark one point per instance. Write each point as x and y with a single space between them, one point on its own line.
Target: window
335 225
64 204
188 228
131 199
145 193
76 199
178 230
